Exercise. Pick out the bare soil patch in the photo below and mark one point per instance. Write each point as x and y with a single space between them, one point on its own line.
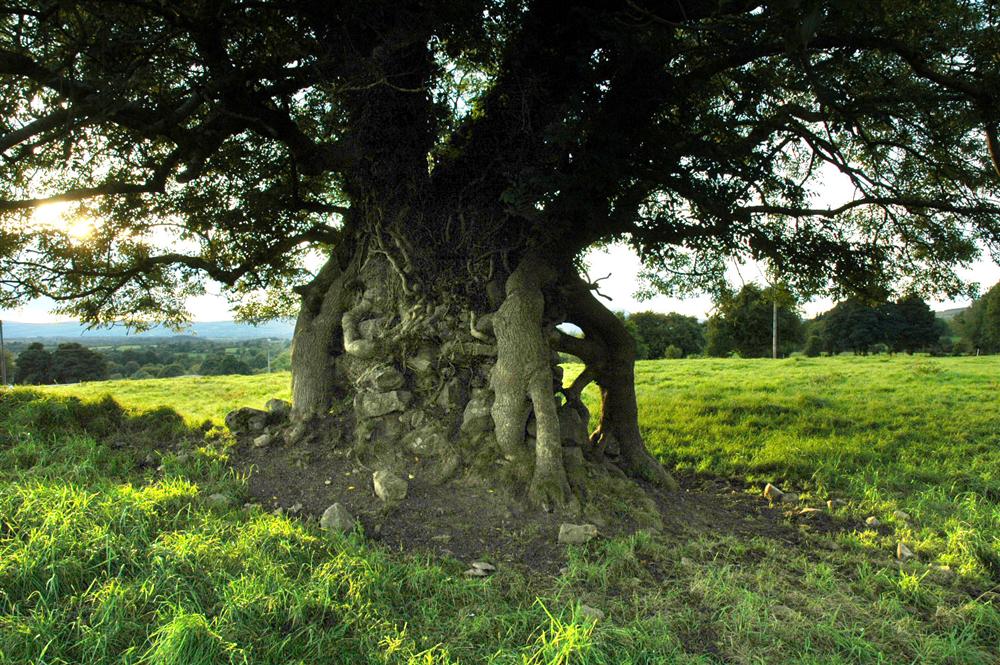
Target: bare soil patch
470 521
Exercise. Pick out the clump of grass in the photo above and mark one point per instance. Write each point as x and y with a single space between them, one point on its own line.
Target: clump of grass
106 559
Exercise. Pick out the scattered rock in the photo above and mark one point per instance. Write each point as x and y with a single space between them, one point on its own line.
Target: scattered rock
873 522
453 395
387 378
772 493
246 421
279 409
903 553
790 498
296 508
564 570
901 516
484 566
388 486
686 562
476 572
576 534
425 442
591 613
219 500
336 518
374 405
478 416
263 441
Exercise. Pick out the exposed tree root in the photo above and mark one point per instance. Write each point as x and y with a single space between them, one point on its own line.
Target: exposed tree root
522 383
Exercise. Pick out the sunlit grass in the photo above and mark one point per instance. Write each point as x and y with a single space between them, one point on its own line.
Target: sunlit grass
106 561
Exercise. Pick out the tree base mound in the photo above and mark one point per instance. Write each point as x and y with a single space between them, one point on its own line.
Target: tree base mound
469 518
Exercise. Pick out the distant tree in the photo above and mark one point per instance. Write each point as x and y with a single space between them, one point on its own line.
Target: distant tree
34 366
219 364
172 370
657 331
673 352
814 345
11 366
911 325
742 323
853 325
979 325
73 362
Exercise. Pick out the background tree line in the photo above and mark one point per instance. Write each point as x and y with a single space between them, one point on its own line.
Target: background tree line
741 324
71 362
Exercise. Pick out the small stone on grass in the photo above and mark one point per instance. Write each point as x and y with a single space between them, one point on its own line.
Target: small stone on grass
388 486
591 613
336 518
576 534
772 493
872 521
903 553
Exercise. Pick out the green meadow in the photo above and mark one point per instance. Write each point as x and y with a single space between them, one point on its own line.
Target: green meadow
111 550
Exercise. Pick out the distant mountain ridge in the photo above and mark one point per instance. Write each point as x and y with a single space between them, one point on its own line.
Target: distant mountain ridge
13 330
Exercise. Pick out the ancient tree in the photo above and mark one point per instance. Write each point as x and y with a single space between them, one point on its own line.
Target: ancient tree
451 161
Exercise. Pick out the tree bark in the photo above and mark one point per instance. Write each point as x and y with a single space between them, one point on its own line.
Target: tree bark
446 381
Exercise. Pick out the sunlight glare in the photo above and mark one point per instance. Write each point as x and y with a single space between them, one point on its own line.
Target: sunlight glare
57 216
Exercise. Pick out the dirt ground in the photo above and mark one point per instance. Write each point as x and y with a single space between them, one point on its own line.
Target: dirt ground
472 522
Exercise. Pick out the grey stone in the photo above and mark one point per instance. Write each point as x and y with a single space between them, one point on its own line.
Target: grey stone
453 395
478 416
476 572
872 521
387 378
573 422
903 553
373 405
219 500
482 565
772 493
591 613
246 421
388 486
424 441
576 534
336 518
279 409
262 441
423 362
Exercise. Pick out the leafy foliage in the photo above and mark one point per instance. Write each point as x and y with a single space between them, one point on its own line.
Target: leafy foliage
188 142
980 324
655 332
743 323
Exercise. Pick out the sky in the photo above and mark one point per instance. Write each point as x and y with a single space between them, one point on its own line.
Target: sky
619 262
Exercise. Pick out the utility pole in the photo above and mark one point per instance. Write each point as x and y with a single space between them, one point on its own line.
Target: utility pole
774 322
3 359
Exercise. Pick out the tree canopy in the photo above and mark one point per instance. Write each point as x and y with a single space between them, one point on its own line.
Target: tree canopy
980 323
226 138
743 323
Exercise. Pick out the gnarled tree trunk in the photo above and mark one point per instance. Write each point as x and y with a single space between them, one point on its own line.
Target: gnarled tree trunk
450 382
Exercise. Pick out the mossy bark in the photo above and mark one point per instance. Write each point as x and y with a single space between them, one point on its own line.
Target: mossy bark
407 376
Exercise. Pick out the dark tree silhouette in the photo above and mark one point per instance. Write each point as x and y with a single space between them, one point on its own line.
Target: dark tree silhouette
451 160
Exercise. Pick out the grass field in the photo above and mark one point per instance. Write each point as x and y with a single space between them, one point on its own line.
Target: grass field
103 560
